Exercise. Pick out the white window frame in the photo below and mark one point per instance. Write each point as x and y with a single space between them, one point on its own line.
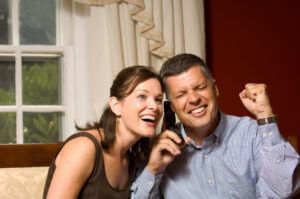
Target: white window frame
67 71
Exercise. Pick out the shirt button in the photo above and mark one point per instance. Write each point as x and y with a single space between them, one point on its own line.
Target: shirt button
271 133
150 183
277 161
209 181
205 157
264 134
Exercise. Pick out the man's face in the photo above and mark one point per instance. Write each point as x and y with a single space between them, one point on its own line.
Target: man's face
194 100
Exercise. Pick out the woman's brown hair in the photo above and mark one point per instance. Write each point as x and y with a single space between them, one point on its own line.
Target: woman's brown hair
123 85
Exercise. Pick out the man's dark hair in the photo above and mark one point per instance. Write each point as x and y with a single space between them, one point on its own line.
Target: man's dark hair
181 63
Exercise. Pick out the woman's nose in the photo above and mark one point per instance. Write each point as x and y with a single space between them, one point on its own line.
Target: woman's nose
152 104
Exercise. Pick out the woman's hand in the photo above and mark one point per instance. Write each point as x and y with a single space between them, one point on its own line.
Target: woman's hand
164 151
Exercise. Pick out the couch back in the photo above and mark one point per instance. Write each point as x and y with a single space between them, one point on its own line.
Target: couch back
24 168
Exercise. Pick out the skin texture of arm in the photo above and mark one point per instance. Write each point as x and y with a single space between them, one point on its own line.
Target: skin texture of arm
256 100
74 165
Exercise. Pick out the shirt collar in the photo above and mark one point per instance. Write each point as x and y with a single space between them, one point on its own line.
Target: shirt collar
214 137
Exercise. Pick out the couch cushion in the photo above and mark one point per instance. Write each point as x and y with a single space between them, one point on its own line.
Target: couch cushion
22 182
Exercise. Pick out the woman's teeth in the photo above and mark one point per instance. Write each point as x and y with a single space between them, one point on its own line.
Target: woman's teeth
148 118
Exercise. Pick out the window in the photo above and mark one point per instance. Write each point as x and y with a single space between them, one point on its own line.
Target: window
35 73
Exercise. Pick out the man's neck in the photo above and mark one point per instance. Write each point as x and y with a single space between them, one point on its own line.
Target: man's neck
199 134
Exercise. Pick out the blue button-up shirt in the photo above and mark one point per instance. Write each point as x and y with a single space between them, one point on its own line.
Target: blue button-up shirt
240 159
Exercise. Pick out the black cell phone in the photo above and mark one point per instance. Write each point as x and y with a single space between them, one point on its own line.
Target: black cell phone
170 121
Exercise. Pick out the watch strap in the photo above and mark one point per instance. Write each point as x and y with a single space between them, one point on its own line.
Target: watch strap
267 120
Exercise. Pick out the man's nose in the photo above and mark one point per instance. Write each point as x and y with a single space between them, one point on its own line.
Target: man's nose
194 98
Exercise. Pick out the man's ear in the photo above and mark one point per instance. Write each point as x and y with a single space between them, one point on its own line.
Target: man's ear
115 106
216 89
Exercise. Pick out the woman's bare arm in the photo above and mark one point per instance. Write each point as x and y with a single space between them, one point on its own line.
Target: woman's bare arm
74 165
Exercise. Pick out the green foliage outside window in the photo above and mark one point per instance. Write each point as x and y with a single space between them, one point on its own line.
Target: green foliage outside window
7 97
40 83
41 127
7 120
40 87
8 128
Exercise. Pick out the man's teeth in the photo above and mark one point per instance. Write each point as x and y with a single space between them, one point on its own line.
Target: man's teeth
148 118
198 110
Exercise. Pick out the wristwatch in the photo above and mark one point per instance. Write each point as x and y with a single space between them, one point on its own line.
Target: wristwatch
267 120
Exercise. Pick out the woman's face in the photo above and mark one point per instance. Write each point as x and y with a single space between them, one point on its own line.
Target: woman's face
141 111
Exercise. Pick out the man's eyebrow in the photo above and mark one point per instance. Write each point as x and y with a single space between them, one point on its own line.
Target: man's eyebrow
200 85
180 92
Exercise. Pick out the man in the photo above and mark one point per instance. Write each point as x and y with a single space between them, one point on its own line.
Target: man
227 156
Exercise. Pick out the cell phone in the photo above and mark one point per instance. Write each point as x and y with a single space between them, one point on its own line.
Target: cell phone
170 121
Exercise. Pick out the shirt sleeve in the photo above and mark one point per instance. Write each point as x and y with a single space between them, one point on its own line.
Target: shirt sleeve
146 185
277 164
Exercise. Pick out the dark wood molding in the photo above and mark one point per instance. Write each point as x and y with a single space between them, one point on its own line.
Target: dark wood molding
31 155
27 155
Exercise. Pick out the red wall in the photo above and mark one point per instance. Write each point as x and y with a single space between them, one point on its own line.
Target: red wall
256 41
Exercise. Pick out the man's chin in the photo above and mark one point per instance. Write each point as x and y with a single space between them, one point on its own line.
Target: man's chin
198 126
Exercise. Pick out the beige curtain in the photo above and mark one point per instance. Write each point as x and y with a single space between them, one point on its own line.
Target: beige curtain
139 32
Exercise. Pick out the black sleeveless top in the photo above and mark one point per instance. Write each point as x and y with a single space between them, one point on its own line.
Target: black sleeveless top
97 185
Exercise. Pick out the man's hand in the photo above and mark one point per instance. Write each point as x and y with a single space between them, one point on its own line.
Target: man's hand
164 151
255 98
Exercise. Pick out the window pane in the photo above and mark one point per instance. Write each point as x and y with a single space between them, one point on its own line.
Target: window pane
5 22
42 127
41 81
7 81
37 22
7 128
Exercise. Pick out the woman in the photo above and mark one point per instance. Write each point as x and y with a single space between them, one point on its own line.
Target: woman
100 162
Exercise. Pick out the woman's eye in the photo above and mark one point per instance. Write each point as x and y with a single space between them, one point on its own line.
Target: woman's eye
142 97
159 100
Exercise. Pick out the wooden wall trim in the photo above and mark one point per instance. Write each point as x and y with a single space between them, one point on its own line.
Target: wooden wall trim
31 155
27 155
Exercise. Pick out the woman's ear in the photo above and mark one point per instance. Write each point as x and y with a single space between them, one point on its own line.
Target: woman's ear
115 106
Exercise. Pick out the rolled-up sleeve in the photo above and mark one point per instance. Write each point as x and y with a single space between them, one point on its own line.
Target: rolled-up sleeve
146 185
279 163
